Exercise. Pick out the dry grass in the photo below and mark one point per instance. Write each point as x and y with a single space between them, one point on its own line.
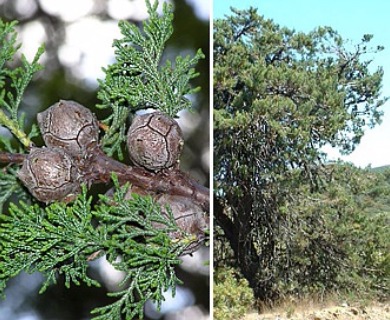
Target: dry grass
329 309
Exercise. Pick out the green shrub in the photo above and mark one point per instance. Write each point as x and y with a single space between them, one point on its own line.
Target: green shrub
232 295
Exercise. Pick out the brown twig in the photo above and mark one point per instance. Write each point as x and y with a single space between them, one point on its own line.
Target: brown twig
7 157
99 167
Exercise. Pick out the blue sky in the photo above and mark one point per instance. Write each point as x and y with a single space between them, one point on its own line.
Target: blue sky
352 19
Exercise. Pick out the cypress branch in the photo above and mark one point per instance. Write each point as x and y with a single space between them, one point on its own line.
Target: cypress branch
136 234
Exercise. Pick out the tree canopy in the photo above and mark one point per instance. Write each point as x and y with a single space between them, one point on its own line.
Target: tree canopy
279 96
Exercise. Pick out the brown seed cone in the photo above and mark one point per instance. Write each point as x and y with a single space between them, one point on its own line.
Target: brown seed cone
154 141
50 175
69 125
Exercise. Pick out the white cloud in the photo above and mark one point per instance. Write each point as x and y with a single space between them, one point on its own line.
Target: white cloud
202 8
32 36
125 9
88 47
68 10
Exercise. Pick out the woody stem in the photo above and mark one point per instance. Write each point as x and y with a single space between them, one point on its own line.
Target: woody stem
6 157
99 167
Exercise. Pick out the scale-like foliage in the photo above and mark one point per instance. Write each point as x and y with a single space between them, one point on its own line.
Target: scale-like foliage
147 257
54 240
141 79
62 239
13 82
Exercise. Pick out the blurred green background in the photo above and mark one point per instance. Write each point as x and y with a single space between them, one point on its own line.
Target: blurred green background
78 37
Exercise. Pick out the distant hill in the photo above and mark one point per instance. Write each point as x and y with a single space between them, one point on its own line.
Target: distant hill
381 168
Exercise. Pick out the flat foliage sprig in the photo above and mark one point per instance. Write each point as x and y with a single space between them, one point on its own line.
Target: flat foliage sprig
61 239
147 257
141 79
13 83
10 186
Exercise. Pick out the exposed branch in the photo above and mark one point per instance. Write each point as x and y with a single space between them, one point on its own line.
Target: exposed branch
6 157
99 167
